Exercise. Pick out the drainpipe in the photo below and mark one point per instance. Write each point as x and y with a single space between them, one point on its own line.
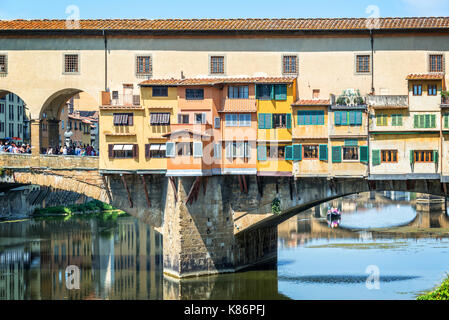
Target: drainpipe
372 61
105 61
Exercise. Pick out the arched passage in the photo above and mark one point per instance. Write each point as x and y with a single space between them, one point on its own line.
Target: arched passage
68 117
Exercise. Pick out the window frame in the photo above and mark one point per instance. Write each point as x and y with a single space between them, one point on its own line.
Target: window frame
64 69
429 61
283 64
356 148
136 61
245 92
357 69
5 55
424 153
194 91
269 154
315 146
416 94
388 158
434 89
211 71
280 117
164 92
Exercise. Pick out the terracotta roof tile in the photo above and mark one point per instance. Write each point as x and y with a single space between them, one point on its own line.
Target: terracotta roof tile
312 102
108 107
239 105
258 24
427 76
215 81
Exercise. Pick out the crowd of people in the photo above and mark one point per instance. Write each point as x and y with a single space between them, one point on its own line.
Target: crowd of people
12 147
78 150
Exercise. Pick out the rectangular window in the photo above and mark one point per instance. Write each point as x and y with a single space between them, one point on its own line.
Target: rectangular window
423 156
183 118
424 121
280 92
310 117
115 95
290 64
160 91
159 119
389 156
264 91
363 64
231 120
381 119
310 152
143 65
217 64
200 118
71 63
436 63
3 63
184 148
238 92
194 94
396 119
217 122
417 89
276 152
279 120
432 90
122 150
350 153
245 120
121 119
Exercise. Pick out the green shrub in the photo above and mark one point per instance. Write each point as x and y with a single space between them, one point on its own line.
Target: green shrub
276 206
440 293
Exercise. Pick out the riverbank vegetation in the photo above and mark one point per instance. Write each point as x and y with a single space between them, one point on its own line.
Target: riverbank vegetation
91 209
440 293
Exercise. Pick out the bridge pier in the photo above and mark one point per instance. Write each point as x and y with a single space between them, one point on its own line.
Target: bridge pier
35 134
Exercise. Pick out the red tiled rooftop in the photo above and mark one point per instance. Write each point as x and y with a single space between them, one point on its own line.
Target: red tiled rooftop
258 24
239 105
312 102
427 76
215 81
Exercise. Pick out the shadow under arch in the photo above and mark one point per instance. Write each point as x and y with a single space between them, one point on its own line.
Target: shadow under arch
50 114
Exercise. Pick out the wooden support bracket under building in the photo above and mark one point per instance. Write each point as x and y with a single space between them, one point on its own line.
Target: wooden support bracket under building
245 185
193 193
372 185
175 190
291 187
127 191
444 188
108 192
205 180
259 181
240 183
410 184
146 190
277 185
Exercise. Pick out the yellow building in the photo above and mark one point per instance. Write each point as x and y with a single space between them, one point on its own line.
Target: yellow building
310 137
274 134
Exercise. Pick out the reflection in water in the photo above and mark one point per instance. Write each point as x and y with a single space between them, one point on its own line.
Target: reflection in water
123 259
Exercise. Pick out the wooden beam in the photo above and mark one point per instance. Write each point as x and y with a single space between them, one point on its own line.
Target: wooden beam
291 188
444 188
175 191
372 185
240 183
146 190
127 191
192 190
259 181
205 180
108 192
245 187
277 185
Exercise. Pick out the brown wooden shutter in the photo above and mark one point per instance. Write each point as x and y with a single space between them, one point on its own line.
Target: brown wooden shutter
147 150
111 151
136 151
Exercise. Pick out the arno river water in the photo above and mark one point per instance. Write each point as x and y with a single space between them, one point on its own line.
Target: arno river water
384 239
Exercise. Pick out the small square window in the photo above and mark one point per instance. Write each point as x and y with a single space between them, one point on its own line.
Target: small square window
217 64
436 63
143 65
3 63
160 91
290 64
363 64
432 90
194 94
71 63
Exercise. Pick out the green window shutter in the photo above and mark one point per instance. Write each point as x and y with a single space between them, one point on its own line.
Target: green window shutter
337 117
297 152
393 119
375 157
289 153
432 121
412 160
399 120
378 120
280 92
336 154
358 120
268 120
256 92
351 142
352 118
323 152
289 121
435 156
170 149
385 120
272 92
344 117
261 120
446 120
416 121
363 153
427 121
321 118
262 152
301 118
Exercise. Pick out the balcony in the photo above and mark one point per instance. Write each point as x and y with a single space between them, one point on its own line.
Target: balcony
444 102
387 101
350 98
128 100
180 129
